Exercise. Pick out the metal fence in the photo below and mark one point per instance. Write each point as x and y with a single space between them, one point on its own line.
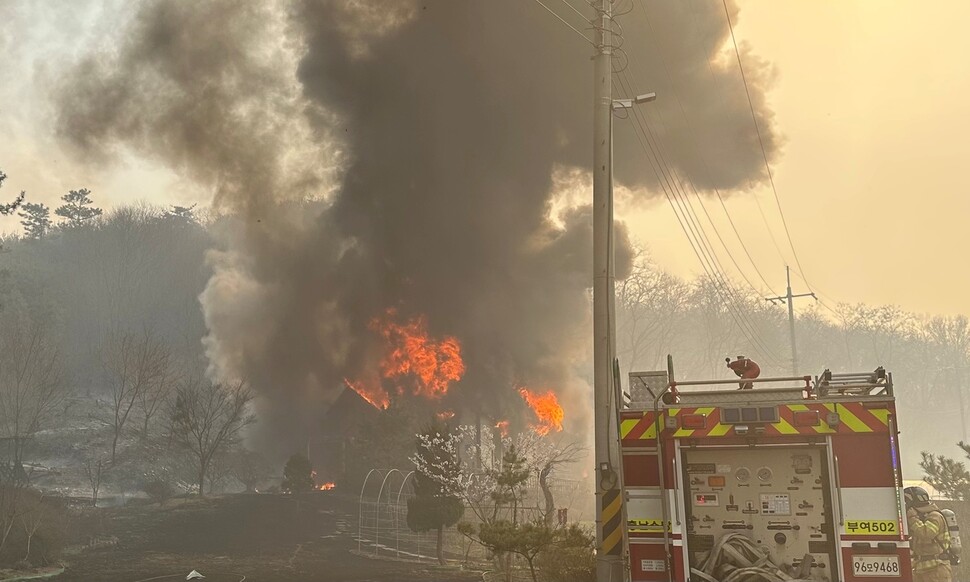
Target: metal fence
382 528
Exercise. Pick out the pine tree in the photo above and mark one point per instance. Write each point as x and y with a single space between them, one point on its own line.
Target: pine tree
510 481
36 219
77 207
948 476
502 533
297 475
7 209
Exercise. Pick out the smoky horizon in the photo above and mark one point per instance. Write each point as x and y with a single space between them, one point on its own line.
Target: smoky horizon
313 275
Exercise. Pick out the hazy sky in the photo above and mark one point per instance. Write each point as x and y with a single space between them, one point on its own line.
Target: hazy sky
871 98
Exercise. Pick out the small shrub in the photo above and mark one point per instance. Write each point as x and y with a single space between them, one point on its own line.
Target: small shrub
158 491
571 558
297 475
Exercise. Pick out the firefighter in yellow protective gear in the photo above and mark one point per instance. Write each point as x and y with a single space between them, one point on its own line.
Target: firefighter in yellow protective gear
929 537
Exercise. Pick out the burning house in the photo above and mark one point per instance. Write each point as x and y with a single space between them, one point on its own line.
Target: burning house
441 219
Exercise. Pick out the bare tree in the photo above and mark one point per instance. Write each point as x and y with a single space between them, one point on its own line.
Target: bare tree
14 486
543 456
220 470
250 467
556 457
152 399
135 364
715 322
206 419
649 304
94 471
31 383
949 338
876 330
34 514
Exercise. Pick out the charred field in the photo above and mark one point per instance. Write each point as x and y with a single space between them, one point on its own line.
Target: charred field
260 536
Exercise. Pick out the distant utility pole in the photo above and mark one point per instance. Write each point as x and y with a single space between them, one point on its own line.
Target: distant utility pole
788 298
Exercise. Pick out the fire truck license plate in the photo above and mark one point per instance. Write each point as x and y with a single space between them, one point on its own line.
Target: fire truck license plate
881 566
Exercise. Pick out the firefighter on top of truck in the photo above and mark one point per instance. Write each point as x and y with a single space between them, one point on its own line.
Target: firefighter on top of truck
929 537
745 369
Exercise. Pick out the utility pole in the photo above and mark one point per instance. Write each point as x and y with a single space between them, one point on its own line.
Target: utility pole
788 298
609 523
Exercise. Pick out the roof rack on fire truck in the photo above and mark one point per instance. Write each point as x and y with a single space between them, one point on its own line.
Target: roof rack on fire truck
783 388
875 383
646 386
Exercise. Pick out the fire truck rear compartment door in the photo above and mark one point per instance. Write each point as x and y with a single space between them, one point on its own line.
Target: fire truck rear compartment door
771 500
870 511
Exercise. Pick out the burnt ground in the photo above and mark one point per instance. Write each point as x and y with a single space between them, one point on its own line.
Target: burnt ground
262 537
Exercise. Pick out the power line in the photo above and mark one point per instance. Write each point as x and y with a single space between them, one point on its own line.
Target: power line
821 301
573 8
764 218
764 155
761 211
685 228
771 233
692 229
703 160
723 244
690 225
561 19
799 273
710 220
740 240
707 255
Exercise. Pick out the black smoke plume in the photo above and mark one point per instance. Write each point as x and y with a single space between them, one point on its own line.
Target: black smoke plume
429 133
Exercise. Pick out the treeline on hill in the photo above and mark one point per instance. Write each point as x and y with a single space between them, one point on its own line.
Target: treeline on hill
929 357
102 384
102 308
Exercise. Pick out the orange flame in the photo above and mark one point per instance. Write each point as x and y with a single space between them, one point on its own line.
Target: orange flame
446 415
410 351
327 486
376 396
546 408
503 427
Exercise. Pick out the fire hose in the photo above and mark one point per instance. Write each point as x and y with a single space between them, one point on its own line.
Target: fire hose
735 558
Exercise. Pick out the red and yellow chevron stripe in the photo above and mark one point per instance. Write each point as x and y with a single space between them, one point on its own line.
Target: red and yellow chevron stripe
854 417
634 428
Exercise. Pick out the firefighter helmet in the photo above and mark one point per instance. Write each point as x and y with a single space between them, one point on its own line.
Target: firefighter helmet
916 497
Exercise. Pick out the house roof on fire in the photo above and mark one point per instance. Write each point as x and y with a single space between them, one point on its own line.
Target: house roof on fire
346 414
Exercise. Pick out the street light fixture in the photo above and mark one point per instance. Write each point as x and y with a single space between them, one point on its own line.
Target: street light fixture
628 103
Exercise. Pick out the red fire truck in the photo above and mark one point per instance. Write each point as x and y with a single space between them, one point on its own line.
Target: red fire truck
797 479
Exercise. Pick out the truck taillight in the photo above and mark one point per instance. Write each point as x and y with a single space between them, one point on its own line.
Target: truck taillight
694 421
806 418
